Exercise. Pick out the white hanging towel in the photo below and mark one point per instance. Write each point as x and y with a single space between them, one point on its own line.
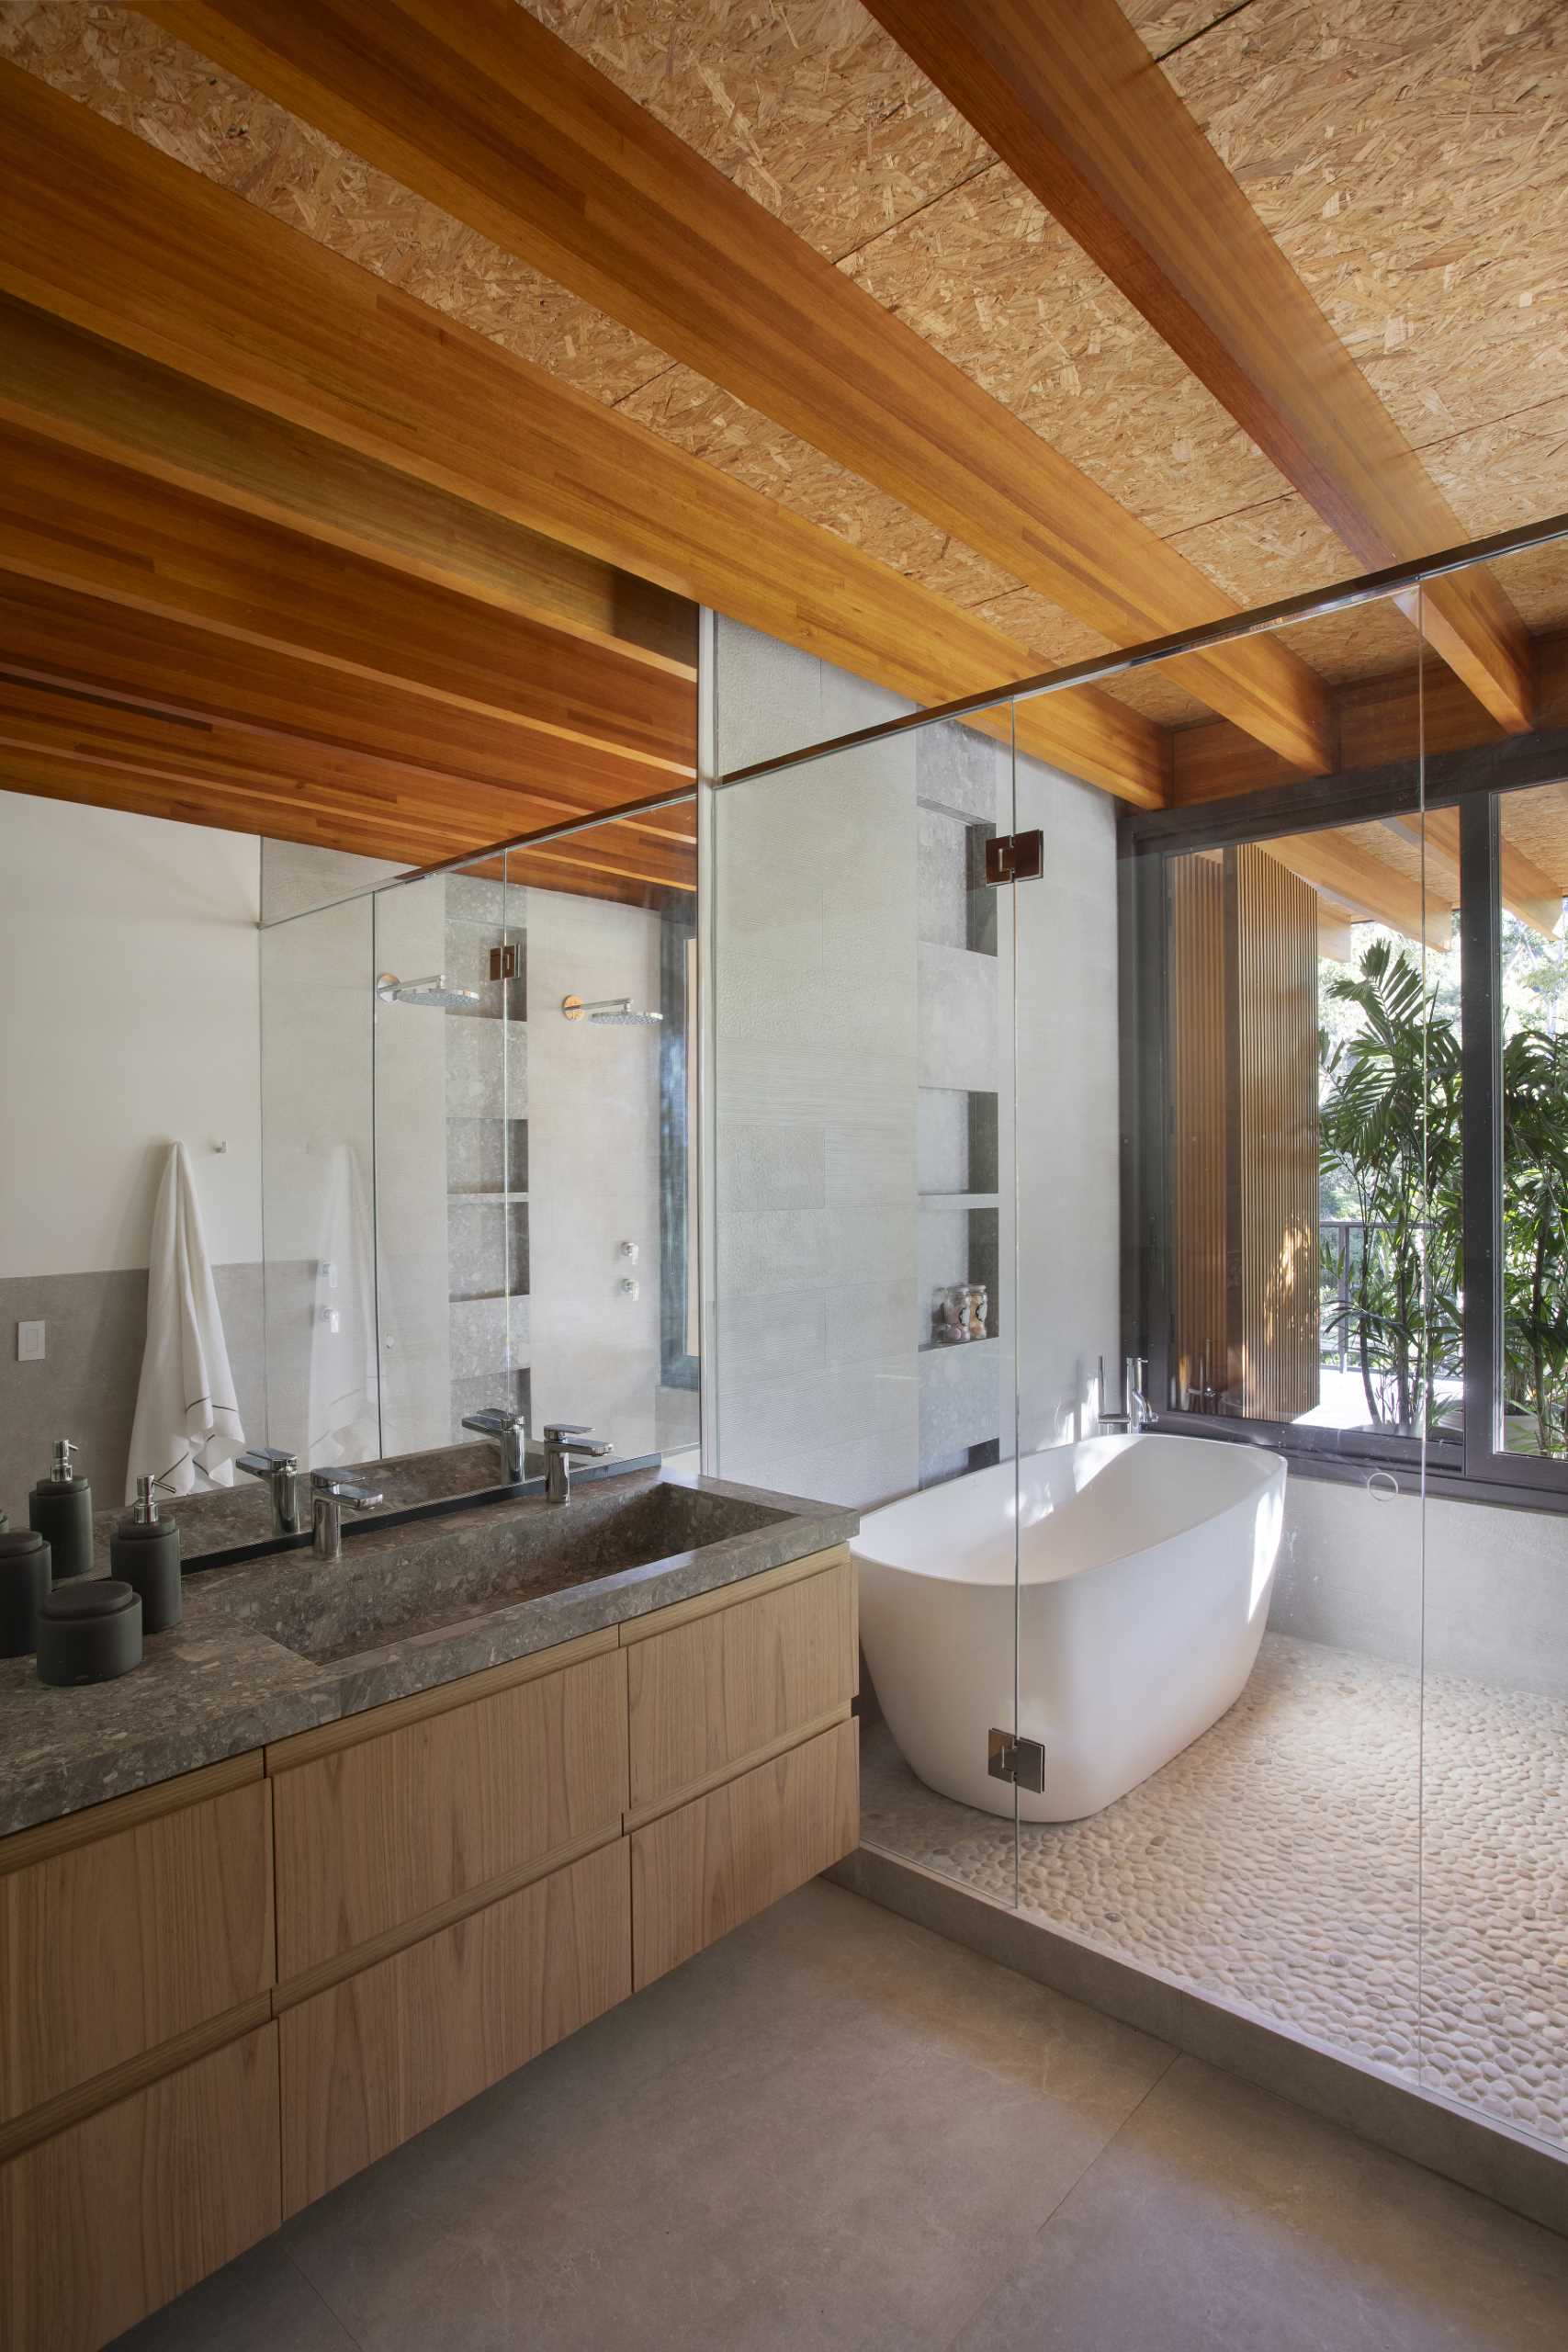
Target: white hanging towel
344 1399
187 1424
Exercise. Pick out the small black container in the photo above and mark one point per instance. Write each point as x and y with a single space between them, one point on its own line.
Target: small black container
60 1508
89 1630
145 1551
24 1579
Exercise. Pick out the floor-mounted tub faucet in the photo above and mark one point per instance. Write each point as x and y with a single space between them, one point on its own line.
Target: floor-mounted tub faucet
1136 1413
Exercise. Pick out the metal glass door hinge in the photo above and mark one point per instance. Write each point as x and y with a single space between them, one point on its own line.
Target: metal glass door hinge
1019 1761
1015 857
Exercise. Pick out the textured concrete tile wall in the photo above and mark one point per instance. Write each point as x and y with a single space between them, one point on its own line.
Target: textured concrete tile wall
96 1331
1473 1589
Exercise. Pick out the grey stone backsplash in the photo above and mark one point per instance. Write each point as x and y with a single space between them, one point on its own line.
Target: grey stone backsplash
85 1387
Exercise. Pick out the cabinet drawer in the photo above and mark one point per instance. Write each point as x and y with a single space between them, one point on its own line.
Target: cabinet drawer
709 1693
700 1870
382 1831
104 2223
380 2055
121 1942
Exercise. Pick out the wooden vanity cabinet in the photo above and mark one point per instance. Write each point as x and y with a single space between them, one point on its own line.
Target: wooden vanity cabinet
222 1995
139 2085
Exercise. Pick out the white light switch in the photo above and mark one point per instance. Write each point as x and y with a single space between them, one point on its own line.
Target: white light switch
30 1343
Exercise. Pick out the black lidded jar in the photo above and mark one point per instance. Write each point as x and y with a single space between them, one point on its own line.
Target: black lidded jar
60 1508
145 1551
89 1630
25 1579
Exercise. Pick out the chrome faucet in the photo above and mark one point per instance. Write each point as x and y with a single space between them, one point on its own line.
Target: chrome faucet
1136 1413
510 1432
563 1439
328 1495
281 1471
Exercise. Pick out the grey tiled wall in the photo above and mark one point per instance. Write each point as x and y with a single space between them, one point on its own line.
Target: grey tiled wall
85 1387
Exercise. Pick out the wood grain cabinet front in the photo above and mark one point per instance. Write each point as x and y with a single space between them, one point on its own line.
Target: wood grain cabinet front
102 2223
735 1675
113 1944
457 1794
384 2052
701 1870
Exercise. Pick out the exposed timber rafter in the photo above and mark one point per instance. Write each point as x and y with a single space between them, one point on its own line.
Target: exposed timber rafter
78 522
1068 97
89 395
487 113
110 235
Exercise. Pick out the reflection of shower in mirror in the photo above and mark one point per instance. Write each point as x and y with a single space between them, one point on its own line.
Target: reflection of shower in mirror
432 990
609 1013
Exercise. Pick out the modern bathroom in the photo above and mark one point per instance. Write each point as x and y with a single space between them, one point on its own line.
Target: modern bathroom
784 1432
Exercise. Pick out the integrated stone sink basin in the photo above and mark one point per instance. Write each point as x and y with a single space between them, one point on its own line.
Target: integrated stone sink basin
397 1584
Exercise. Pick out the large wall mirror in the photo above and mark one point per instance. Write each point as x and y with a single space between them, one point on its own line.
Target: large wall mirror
304 1155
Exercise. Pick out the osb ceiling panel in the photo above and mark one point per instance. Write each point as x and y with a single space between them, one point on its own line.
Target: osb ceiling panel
1408 156
1536 823
142 78
1407 159
805 104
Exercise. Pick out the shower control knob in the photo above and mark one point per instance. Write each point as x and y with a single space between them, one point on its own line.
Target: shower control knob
630 1250
630 1286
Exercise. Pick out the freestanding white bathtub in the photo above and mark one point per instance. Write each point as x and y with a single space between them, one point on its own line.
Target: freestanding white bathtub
1145 1569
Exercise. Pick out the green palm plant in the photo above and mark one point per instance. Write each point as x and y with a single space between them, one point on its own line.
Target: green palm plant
1534 1231
1389 1132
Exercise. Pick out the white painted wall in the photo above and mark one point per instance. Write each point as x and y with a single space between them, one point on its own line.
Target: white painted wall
129 975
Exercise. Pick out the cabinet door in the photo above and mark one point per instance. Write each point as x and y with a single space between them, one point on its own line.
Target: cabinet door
381 2054
385 1829
700 1870
713 1692
124 1941
106 2221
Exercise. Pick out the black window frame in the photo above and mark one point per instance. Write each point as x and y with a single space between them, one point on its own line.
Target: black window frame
1475 1466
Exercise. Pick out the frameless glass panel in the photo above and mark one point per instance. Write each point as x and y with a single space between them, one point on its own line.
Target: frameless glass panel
865 1333
598 1136
319 1184
1219 1608
1495 1743
442 1035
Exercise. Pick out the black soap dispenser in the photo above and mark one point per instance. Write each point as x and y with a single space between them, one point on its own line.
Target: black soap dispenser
145 1551
60 1508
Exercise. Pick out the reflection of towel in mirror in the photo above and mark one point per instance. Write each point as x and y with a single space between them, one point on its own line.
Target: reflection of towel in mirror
187 1424
344 1407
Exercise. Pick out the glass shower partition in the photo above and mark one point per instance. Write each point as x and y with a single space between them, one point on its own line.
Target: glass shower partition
1225 1190
864 1329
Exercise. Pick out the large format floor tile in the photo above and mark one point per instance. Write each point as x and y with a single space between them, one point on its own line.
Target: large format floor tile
836 2130
1222 2219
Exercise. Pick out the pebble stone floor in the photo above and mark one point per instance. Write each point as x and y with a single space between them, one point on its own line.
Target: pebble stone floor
1290 1858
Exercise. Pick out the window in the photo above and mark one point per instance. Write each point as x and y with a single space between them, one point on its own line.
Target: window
1348 1197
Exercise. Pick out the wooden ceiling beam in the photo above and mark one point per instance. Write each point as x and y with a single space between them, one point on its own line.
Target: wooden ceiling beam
54 637
1068 97
87 395
196 755
105 232
1331 862
487 113
1378 721
78 522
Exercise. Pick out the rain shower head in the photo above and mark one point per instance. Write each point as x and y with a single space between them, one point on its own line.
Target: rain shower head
432 991
609 1013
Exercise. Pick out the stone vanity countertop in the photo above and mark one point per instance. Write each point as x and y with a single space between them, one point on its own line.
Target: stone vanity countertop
221 1683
